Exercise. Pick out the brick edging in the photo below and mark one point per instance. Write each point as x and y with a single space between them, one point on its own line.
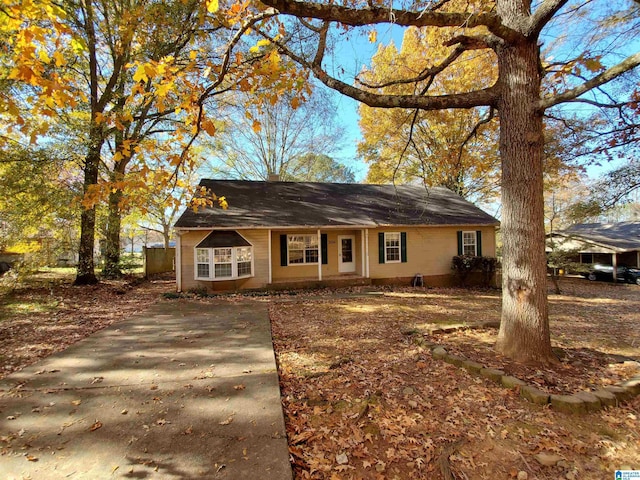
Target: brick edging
581 402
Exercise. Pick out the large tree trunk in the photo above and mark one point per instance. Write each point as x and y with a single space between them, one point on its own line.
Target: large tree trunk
86 268
524 329
112 241
86 274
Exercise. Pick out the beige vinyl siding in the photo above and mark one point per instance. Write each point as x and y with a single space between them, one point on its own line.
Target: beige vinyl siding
429 250
310 271
257 238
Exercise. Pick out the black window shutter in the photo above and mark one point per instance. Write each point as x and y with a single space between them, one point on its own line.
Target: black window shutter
381 253
478 243
323 249
283 250
459 242
403 247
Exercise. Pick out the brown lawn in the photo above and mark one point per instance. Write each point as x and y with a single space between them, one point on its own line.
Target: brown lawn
362 400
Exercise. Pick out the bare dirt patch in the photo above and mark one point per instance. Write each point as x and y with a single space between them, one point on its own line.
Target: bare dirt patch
363 401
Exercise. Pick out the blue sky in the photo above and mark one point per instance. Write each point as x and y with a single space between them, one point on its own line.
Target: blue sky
352 53
353 50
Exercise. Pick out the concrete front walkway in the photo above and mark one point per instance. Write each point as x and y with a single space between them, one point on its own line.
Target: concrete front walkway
186 390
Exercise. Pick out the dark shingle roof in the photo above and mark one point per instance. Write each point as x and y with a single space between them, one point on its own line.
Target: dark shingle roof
621 236
288 204
223 238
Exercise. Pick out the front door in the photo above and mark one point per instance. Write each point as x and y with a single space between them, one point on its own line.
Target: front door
346 253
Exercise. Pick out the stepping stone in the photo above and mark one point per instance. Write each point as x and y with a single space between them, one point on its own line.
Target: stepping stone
472 366
591 401
511 382
620 392
632 386
534 395
568 404
492 374
606 398
454 359
439 352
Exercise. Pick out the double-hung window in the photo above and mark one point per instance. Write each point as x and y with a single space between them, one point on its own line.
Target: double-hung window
469 243
223 262
243 259
302 249
392 247
203 263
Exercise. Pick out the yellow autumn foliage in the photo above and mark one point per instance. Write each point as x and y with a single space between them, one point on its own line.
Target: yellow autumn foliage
404 146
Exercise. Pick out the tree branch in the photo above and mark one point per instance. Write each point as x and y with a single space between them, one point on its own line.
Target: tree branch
426 73
542 15
626 65
483 121
377 15
478 98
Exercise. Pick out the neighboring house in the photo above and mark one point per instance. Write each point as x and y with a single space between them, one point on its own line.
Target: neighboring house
604 243
278 234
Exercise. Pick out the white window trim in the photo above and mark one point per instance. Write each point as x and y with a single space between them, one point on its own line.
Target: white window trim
234 264
386 256
304 257
475 241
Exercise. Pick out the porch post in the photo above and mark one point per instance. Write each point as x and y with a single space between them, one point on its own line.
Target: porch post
366 254
269 256
319 256
178 260
362 248
614 262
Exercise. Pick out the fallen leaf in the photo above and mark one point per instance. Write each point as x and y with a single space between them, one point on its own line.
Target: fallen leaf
227 421
239 387
31 458
95 426
76 402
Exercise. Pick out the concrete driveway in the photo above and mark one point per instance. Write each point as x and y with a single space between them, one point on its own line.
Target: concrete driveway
186 390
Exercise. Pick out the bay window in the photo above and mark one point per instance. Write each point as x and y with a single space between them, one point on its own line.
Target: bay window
223 255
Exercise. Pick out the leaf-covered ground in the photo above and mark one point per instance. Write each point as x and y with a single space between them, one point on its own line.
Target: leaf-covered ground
362 400
50 314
